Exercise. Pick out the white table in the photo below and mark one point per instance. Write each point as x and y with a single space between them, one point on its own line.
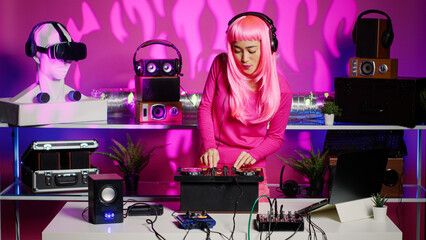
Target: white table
70 225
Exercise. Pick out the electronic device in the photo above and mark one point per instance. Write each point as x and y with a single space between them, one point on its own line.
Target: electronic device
282 221
218 189
268 21
357 175
105 199
157 89
393 178
55 155
196 220
65 50
155 112
74 95
291 188
373 37
157 67
43 97
373 68
398 101
139 209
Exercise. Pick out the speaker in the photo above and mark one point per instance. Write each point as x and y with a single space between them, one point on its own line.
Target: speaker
105 198
75 160
268 21
393 178
47 161
372 36
157 89
373 68
158 67
400 101
158 112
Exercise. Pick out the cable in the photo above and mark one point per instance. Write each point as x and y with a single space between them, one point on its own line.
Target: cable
223 116
235 207
252 209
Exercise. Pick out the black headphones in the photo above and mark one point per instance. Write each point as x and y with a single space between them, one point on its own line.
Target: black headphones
388 35
268 21
138 65
31 46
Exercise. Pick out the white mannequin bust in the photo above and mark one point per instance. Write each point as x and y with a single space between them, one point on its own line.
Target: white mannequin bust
50 75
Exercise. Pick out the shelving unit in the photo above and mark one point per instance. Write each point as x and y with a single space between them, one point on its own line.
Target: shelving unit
415 193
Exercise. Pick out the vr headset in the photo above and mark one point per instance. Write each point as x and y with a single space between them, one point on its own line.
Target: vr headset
65 50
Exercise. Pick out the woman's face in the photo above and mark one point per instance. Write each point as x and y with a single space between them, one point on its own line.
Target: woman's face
248 55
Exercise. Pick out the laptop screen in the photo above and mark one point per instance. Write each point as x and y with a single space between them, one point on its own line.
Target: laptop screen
358 175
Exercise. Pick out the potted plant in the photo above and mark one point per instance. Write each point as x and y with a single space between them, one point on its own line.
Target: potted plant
312 166
131 160
330 110
379 208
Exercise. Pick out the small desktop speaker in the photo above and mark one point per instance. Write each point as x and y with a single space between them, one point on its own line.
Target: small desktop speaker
105 198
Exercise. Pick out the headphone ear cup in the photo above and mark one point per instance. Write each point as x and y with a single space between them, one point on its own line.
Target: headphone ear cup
30 49
387 39
290 188
274 42
139 67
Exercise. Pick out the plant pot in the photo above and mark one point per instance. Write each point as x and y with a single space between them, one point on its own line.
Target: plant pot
329 119
379 213
316 187
131 183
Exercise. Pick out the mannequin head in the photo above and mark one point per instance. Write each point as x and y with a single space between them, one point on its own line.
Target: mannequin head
48 68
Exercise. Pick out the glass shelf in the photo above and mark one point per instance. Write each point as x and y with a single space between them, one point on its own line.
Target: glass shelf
170 191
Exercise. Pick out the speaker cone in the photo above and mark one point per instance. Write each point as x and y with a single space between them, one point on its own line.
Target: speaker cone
151 67
167 67
158 111
391 178
367 68
108 194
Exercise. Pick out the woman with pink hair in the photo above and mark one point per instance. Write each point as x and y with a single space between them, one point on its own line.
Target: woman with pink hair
245 104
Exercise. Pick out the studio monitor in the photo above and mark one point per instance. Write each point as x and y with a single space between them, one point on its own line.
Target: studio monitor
373 68
158 112
393 178
373 36
105 199
158 89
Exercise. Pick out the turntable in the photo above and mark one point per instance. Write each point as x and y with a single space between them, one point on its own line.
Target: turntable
217 189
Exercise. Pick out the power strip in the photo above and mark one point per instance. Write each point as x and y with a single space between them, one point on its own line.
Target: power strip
280 222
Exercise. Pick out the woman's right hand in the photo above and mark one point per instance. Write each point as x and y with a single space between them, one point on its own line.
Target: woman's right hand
210 158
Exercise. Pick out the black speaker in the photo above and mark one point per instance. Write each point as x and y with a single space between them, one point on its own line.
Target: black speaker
75 160
157 89
105 198
373 36
400 101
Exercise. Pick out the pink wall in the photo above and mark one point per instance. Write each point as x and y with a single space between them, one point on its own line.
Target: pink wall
314 47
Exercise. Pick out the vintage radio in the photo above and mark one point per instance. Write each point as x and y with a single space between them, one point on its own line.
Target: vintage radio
373 68
155 112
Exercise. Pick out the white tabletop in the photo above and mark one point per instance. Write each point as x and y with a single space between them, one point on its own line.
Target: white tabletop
69 224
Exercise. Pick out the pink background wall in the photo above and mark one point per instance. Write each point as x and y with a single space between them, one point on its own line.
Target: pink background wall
314 47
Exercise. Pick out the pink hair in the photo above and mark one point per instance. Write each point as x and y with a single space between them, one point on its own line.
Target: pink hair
252 28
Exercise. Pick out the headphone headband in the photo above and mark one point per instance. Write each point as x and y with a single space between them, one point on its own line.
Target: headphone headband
162 42
387 36
31 46
267 20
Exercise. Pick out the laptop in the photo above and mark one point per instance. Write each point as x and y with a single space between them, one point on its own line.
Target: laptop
356 175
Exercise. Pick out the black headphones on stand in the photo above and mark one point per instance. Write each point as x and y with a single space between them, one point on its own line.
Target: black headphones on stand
388 35
268 21
291 188
155 67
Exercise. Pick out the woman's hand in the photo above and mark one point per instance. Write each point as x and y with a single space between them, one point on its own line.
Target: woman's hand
210 158
243 160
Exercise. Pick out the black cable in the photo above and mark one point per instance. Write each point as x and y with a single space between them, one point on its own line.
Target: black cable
83 216
235 207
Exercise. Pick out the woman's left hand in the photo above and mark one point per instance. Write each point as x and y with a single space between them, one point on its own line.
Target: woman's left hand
243 160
